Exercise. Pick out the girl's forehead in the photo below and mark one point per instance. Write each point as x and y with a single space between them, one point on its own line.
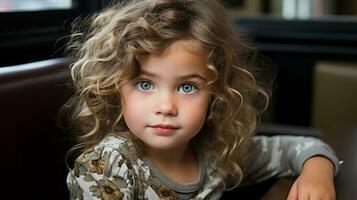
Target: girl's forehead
180 51
181 58
191 45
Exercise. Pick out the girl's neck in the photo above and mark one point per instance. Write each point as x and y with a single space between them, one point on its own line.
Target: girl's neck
179 164
170 158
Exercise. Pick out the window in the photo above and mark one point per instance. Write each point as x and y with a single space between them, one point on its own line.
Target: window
34 30
33 5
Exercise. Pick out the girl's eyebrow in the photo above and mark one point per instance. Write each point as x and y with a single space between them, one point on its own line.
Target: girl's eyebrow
187 76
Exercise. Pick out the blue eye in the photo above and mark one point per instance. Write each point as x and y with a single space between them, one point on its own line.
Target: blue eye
144 85
188 88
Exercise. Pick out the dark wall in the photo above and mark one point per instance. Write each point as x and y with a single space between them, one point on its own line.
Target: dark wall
294 46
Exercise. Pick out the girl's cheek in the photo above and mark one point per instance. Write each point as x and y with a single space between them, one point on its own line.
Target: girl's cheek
196 108
136 104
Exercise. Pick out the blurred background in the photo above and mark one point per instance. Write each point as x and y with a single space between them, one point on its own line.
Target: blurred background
313 44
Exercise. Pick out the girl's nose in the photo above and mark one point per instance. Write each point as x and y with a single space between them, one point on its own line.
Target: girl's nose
166 105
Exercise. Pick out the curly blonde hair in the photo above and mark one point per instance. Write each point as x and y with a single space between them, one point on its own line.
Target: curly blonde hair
105 55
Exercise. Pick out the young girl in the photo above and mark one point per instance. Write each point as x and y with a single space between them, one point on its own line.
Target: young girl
167 105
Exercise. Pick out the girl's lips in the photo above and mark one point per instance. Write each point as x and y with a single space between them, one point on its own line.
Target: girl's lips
164 129
164 126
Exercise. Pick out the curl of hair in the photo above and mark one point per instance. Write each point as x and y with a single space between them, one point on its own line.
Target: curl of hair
105 55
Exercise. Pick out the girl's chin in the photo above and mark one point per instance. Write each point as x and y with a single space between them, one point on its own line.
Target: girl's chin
163 146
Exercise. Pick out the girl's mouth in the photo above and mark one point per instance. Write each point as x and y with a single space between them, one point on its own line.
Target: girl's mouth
164 128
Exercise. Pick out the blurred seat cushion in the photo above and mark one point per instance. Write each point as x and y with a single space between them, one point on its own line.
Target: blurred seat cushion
335 95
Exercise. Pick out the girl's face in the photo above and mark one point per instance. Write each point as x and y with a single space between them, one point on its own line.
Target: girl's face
166 105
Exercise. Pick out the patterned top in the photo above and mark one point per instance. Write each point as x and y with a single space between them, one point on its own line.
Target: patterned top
111 171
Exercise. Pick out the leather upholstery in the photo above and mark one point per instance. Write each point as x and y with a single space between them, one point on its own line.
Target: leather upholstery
33 146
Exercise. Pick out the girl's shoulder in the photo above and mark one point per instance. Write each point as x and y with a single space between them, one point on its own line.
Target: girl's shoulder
113 152
109 144
111 165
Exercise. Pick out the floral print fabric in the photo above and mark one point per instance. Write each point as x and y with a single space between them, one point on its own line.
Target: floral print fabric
111 171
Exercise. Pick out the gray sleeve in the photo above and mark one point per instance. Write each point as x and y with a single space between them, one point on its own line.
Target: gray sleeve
278 156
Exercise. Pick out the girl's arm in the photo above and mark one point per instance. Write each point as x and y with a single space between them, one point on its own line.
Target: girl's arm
278 156
315 181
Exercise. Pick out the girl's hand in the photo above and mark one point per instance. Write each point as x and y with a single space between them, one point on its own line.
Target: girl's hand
316 181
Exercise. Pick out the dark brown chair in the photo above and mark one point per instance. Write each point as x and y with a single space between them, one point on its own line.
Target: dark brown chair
33 146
